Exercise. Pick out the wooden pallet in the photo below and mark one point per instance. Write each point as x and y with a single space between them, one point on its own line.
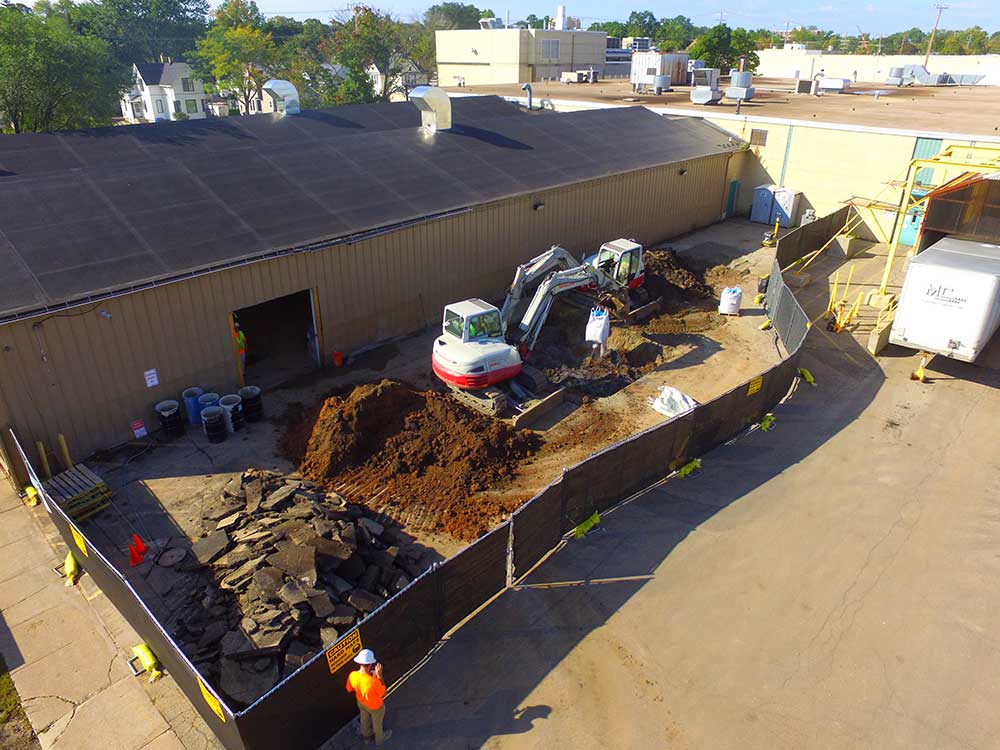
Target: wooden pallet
79 492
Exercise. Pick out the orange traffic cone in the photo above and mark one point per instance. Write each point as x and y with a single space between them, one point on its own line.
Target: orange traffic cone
140 547
135 558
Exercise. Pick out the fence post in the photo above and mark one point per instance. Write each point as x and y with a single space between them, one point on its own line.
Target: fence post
510 552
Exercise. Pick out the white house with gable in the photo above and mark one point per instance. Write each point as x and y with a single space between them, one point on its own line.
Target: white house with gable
161 91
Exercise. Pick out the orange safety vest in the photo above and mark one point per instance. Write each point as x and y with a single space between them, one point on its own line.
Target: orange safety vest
241 342
369 689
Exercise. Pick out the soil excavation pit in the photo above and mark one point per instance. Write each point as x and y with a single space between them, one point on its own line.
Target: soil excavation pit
689 296
412 454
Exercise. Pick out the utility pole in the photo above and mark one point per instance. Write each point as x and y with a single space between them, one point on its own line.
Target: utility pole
930 42
722 17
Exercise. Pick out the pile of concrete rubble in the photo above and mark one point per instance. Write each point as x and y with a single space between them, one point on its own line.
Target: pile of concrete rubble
287 568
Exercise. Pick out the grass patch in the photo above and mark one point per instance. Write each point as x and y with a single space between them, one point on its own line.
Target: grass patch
15 730
10 702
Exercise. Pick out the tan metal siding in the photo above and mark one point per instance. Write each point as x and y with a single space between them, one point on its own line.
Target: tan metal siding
92 386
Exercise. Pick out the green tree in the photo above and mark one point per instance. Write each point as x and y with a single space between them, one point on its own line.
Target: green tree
369 38
641 23
612 28
284 29
453 16
137 30
994 45
721 47
235 13
302 59
52 78
237 58
742 42
674 33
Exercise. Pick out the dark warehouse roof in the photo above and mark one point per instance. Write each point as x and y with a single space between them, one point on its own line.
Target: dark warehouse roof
86 213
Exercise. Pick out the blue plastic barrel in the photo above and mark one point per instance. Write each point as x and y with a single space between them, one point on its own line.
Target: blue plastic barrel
205 400
190 396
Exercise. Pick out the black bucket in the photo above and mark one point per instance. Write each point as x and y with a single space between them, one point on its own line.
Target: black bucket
171 421
253 403
215 423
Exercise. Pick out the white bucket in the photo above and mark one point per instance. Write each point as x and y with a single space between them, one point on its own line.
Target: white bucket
230 404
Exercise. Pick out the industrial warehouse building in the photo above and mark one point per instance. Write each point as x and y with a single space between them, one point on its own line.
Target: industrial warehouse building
128 251
477 57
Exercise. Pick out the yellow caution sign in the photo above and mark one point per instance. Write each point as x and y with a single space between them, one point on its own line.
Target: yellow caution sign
78 538
343 650
755 385
212 701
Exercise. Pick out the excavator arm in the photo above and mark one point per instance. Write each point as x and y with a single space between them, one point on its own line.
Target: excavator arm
553 259
558 283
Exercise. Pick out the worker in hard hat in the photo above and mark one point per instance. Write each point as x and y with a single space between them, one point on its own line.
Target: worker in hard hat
240 341
367 685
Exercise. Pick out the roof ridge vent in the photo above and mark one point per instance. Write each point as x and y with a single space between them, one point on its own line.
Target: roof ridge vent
434 106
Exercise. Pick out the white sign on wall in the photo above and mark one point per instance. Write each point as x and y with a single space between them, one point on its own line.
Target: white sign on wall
152 379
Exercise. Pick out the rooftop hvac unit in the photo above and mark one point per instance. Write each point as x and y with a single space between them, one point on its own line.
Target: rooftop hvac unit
705 86
739 86
835 85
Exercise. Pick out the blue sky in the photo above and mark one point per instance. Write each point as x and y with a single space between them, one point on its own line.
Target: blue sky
874 17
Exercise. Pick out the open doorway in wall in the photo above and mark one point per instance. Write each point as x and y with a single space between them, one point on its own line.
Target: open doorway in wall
281 338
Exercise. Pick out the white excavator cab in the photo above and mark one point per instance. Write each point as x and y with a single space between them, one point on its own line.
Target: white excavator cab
472 320
620 260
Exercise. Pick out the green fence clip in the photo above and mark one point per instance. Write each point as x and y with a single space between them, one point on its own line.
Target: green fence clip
767 422
691 466
587 525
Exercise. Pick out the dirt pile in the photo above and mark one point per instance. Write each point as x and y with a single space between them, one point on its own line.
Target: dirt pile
667 276
416 452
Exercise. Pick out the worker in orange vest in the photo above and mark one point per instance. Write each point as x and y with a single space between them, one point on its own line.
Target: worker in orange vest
240 339
367 685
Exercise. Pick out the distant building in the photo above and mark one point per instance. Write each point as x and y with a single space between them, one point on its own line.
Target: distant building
161 91
408 76
637 43
489 56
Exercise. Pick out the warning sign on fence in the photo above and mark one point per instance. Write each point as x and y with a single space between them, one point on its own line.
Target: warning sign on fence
755 385
343 650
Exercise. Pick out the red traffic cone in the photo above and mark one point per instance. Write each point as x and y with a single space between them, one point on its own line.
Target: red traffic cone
140 547
135 558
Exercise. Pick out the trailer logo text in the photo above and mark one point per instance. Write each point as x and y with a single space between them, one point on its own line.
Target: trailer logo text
945 294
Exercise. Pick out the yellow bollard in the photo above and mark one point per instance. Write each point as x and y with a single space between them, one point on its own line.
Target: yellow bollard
72 569
148 660
833 296
64 452
44 460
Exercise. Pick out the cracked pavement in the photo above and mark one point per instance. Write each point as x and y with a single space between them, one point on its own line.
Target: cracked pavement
67 650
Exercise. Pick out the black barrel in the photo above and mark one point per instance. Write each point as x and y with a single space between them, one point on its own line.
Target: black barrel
253 403
215 423
171 421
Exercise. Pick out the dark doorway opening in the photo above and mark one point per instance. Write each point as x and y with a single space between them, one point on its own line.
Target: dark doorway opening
281 339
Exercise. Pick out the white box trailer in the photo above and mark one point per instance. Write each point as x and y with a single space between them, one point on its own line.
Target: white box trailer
648 66
950 303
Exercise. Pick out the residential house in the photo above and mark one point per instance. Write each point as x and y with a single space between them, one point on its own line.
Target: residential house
162 91
408 77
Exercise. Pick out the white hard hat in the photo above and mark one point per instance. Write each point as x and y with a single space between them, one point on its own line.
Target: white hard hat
366 656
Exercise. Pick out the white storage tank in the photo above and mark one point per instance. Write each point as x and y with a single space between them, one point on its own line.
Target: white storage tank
950 303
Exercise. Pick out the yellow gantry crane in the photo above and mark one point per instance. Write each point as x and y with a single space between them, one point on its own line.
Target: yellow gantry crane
956 160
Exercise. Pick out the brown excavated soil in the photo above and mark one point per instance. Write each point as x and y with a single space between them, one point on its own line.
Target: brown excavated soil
688 294
388 440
